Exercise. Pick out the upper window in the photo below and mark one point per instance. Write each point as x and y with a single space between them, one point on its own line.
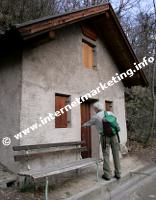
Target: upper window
88 51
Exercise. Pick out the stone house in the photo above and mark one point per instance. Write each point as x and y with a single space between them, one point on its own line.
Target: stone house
47 63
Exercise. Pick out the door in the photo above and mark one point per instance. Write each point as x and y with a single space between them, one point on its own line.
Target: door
86 132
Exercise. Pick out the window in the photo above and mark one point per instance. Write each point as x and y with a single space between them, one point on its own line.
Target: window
109 106
63 120
88 52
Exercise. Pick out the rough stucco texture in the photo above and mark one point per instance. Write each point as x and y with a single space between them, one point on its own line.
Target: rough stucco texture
10 93
56 67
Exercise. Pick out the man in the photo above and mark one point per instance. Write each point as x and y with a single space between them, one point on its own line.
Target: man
106 141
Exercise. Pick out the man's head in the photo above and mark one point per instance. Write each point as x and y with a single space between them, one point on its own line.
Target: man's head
98 107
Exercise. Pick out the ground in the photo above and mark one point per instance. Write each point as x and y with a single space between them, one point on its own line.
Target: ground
145 191
138 157
146 153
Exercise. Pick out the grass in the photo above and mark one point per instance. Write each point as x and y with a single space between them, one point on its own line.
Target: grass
68 194
36 188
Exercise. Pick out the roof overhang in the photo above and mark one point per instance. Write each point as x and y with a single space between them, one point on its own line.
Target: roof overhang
104 20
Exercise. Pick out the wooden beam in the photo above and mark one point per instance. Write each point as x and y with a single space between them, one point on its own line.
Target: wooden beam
59 21
38 154
48 145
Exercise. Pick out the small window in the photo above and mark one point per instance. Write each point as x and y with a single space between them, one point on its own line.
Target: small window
109 106
89 52
63 120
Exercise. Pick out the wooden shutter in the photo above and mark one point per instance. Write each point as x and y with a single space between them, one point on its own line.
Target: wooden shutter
61 102
88 55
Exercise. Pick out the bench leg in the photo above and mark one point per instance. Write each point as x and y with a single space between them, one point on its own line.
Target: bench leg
97 171
46 189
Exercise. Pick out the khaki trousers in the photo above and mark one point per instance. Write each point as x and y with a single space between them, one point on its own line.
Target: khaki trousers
106 143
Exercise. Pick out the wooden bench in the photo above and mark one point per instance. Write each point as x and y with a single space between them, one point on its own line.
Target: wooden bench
44 149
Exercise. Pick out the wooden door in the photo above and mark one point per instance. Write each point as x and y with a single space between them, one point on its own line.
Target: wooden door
86 132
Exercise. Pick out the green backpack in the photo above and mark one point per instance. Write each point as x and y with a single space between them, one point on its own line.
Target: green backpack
110 121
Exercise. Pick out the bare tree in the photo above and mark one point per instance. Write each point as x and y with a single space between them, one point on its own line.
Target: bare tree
20 11
141 31
153 124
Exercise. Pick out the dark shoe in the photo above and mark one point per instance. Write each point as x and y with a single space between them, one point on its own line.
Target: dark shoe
105 178
117 177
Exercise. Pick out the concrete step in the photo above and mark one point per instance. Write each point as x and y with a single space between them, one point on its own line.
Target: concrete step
110 190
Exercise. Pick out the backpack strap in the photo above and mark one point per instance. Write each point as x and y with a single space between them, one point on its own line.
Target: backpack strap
105 114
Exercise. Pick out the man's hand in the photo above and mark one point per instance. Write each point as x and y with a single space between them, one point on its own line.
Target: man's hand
83 125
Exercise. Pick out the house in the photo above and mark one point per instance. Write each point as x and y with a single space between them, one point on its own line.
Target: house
46 63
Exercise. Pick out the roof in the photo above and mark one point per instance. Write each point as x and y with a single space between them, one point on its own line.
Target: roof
101 18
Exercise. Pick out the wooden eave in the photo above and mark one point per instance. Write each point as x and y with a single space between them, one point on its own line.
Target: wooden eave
104 20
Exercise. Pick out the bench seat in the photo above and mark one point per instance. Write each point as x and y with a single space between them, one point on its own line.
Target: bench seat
60 168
